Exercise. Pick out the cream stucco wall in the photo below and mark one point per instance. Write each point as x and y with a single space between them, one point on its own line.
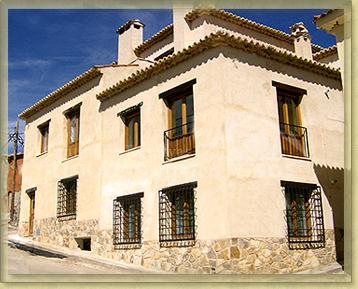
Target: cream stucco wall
45 170
238 162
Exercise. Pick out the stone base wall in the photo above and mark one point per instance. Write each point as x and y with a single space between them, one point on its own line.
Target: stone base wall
234 255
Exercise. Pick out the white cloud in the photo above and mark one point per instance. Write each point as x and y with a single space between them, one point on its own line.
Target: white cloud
36 63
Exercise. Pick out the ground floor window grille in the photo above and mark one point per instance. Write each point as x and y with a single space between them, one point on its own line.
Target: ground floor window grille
304 215
177 213
67 197
127 219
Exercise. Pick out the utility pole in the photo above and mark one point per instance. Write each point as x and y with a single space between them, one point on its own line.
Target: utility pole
12 209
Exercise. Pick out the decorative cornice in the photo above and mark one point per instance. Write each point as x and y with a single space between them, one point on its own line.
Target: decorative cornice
325 53
211 41
159 36
60 92
243 22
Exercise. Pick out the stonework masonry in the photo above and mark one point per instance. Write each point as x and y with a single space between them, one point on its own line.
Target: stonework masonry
231 255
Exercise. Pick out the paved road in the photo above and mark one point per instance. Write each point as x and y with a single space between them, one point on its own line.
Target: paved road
24 262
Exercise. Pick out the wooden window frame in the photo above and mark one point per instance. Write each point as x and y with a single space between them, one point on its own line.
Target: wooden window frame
121 222
44 130
293 136
136 130
305 226
73 112
177 145
67 198
168 219
133 112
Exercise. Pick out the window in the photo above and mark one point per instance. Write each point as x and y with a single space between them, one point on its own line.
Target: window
165 54
73 130
294 140
177 213
67 197
304 215
131 119
179 138
127 219
44 131
132 130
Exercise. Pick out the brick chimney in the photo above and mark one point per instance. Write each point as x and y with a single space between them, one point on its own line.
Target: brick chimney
130 35
302 40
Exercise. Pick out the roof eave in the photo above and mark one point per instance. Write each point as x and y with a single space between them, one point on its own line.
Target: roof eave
211 41
73 84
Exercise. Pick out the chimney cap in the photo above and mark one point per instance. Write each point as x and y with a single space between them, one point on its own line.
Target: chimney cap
299 29
128 24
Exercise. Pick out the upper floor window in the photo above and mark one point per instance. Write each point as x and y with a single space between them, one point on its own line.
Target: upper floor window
177 213
67 197
73 130
165 54
44 134
127 219
294 140
179 138
131 119
304 215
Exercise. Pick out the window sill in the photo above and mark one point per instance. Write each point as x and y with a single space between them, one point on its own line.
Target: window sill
129 150
70 158
66 217
180 243
127 246
177 159
41 154
296 158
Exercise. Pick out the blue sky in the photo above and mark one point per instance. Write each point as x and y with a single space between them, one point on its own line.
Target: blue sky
47 48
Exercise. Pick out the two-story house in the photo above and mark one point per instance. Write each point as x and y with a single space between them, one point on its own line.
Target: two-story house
198 151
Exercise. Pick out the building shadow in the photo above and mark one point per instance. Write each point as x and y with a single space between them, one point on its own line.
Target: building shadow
332 182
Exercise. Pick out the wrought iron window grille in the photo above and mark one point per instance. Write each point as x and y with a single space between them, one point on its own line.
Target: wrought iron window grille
304 216
177 215
127 221
67 198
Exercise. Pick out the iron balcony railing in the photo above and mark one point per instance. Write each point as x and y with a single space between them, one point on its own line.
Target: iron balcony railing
179 141
294 140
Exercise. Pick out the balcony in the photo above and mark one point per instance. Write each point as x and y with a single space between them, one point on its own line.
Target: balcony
179 141
294 140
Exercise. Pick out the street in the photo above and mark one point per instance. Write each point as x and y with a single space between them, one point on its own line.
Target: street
25 262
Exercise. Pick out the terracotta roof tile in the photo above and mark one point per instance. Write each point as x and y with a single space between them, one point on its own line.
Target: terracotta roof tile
60 92
159 36
214 40
324 14
325 53
238 20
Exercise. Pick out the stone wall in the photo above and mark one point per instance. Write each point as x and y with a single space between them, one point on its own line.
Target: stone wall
63 232
234 255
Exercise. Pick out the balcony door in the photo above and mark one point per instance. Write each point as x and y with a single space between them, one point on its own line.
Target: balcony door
293 135
181 125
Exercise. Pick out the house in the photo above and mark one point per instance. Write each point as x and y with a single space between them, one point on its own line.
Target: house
202 149
14 196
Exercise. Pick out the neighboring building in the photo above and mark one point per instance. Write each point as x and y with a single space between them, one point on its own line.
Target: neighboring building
332 22
14 197
201 150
